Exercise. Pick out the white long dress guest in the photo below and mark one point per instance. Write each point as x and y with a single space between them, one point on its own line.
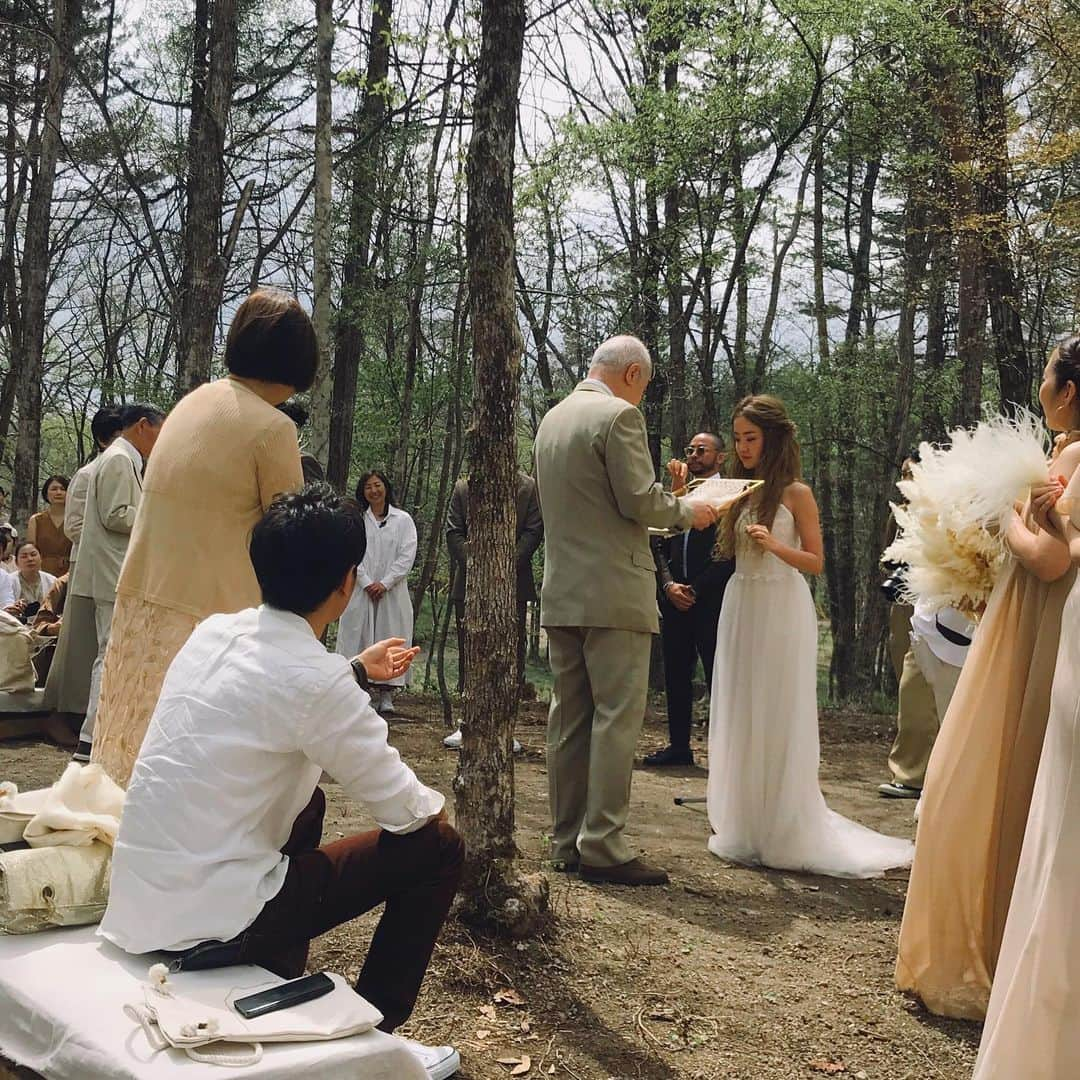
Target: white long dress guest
391 552
764 802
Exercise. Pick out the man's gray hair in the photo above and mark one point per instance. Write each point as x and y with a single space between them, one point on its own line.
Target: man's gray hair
618 353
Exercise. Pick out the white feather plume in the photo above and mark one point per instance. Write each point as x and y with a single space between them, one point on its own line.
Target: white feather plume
958 495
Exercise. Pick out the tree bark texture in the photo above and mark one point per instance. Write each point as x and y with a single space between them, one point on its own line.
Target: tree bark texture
202 278
318 433
493 891
28 362
356 283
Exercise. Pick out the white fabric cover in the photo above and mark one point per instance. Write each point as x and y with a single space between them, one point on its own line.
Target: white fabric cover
82 807
62 996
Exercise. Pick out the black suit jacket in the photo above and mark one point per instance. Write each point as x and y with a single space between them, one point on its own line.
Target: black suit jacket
688 560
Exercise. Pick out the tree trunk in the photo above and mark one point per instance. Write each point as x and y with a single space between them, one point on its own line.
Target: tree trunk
993 187
202 278
318 433
357 283
494 892
28 363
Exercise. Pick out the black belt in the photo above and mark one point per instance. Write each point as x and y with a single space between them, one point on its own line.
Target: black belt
951 635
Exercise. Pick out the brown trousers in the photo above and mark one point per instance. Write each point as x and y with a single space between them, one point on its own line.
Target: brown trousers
416 875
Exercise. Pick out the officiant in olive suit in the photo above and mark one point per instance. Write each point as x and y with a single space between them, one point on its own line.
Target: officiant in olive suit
599 495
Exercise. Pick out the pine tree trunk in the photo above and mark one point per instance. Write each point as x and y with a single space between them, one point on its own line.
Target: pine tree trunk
356 283
318 432
494 892
202 278
28 362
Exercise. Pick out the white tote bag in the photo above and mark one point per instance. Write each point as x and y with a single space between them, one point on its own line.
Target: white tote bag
192 1011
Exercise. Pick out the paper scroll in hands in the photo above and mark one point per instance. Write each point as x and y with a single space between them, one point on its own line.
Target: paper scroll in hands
719 492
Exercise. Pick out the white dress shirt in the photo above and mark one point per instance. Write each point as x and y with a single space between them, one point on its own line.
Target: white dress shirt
252 710
946 632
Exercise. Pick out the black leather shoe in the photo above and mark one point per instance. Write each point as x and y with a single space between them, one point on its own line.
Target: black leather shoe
670 756
634 872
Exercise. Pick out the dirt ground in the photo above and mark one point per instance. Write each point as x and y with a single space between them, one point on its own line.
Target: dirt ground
726 973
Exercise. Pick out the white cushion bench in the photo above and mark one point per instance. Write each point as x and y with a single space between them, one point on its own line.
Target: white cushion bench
62 995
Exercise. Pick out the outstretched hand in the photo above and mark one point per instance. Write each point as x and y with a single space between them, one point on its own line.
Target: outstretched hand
386 660
704 516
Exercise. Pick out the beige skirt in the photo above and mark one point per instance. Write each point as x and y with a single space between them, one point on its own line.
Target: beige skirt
143 642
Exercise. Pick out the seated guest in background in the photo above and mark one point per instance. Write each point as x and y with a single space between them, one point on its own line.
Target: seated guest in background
691 584
112 503
529 531
45 530
46 624
31 584
381 607
221 831
226 453
8 538
313 470
939 646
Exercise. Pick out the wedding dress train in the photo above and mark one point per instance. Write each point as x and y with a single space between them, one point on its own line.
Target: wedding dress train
764 802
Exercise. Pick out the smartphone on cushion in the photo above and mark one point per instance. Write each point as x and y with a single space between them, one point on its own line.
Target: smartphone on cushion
284 995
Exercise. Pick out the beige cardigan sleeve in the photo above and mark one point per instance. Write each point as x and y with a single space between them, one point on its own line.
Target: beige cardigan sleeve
277 463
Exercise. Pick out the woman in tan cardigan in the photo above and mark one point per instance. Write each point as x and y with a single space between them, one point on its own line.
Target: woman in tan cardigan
224 454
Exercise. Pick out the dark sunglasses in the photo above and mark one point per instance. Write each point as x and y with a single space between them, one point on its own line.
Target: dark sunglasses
693 451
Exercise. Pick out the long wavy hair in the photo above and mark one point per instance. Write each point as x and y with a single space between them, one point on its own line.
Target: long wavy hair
780 465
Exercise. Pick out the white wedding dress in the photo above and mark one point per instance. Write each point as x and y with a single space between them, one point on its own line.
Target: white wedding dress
765 805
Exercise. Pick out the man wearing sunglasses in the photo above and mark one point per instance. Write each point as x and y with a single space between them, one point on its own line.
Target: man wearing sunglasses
691 585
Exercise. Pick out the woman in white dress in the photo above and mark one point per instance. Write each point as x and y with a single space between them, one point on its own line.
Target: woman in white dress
765 805
1031 1030
380 607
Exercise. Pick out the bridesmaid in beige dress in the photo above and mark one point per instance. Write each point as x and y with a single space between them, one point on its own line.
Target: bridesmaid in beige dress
224 454
1031 1027
982 769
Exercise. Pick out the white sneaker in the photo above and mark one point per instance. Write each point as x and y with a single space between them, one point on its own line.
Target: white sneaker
453 742
386 704
439 1061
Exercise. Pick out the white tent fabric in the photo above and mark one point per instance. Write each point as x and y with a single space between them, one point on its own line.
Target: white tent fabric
62 997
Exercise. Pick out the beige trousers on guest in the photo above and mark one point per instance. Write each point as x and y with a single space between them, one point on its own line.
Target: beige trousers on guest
899 635
601 678
926 688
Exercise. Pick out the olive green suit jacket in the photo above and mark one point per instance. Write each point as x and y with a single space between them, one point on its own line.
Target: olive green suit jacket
599 495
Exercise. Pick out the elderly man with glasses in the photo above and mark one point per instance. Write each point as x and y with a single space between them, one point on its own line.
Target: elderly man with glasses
691 584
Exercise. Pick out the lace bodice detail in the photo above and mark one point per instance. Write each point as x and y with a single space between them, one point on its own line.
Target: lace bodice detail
750 560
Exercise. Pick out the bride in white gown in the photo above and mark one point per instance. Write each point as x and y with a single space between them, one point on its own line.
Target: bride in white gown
764 802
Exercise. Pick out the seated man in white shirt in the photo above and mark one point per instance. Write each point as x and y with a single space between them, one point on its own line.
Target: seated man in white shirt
219 838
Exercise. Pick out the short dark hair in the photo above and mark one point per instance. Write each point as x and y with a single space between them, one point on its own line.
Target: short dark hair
295 411
25 544
271 338
315 519
365 477
718 440
106 425
62 480
132 414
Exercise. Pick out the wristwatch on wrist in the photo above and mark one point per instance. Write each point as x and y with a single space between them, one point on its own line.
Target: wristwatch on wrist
359 674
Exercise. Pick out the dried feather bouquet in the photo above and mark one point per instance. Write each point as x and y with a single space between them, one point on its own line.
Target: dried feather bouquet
950 536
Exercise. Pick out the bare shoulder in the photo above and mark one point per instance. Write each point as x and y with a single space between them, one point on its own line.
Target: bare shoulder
799 494
1067 461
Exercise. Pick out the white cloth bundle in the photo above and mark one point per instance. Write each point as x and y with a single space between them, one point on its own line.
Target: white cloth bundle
957 498
193 1011
82 807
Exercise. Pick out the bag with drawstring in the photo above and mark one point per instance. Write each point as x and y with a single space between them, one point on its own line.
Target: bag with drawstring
193 1011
